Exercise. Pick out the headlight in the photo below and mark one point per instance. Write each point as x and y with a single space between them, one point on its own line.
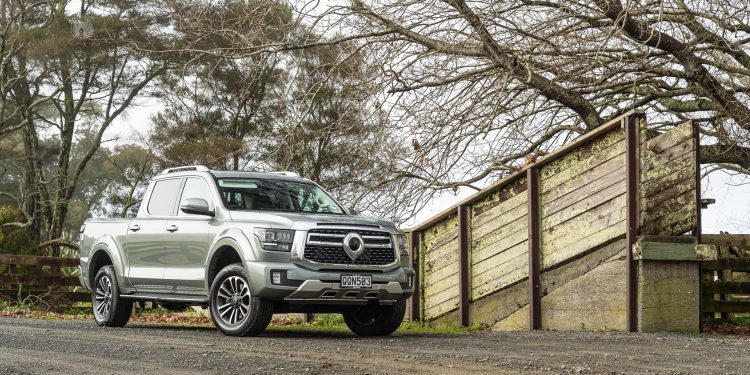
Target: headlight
275 239
401 243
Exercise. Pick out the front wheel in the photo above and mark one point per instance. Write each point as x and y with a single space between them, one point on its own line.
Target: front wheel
376 320
109 309
234 310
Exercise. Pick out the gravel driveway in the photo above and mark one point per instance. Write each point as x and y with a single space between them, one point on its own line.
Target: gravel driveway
39 346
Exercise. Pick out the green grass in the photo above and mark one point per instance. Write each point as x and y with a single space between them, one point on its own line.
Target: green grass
335 323
427 328
744 319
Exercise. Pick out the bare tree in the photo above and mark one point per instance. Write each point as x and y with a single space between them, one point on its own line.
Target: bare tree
484 86
476 89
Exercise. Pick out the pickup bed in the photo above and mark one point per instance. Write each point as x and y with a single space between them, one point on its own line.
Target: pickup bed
247 245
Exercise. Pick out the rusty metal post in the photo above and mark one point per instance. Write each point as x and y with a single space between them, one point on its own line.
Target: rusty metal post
632 163
416 297
463 265
535 249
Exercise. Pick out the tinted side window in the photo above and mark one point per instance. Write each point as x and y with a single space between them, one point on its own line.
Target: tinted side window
195 188
163 197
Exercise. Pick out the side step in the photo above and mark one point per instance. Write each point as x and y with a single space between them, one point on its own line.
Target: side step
198 300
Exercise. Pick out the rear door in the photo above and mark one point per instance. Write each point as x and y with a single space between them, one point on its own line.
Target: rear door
145 238
186 246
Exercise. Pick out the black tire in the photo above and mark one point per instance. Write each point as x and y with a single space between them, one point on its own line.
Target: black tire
173 306
376 320
109 309
235 311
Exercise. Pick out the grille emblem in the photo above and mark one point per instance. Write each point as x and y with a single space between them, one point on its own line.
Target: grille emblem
354 245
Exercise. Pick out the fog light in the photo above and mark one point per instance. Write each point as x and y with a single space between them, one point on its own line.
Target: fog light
276 277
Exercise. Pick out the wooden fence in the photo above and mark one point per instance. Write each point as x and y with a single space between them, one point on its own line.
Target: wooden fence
27 275
725 282
601 191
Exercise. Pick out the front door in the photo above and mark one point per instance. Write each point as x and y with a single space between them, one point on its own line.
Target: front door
186 245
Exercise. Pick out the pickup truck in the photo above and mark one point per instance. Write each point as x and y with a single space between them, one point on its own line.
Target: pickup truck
246 245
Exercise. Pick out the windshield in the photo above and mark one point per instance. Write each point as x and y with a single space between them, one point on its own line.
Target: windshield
275 195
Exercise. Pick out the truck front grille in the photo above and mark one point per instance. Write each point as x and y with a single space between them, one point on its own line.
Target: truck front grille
327 246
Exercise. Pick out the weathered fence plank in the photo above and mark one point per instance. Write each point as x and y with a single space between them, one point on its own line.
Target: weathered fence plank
727 287
738 240
40 280
668 183
734 264
712 306
30 260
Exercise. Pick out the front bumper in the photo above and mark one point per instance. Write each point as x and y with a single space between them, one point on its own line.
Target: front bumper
318 292
305 286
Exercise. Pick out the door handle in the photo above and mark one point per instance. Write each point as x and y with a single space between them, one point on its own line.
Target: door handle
135 227
172 228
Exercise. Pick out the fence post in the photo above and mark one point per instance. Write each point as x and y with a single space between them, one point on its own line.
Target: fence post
632 163
416 304
535 248
463 264
707 277
11 271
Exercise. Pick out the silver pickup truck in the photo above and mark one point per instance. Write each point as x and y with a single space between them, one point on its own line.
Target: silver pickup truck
247 245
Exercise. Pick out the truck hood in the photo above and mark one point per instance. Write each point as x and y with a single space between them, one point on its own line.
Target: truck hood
297 220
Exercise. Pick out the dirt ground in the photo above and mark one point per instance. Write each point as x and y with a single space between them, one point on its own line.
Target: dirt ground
42 347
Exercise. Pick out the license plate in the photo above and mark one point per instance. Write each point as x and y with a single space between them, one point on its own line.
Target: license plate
356 281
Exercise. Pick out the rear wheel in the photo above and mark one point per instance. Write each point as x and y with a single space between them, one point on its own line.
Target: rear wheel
234 310
109 309
376 320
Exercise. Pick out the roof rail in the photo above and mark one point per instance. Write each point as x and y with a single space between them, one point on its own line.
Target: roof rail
186 168
286 173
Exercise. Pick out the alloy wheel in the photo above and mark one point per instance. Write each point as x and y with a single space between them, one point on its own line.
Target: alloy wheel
233 301
103 299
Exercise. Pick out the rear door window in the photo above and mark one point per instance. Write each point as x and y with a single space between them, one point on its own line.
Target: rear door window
163 197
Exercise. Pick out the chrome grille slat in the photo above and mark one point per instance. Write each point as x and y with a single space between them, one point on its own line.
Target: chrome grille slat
326 246
328 235
323 243
376 237
378 246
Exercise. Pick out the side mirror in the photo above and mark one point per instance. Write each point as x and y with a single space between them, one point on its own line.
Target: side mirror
352 211
196 206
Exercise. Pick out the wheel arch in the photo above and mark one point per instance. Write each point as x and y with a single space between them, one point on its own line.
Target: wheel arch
105 252
229 248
